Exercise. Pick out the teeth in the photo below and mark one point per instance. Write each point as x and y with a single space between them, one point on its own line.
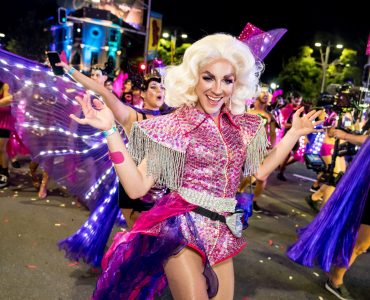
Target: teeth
214 99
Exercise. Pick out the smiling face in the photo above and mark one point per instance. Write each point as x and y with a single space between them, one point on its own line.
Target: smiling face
154 95
127 85
264 97
98 76
215 86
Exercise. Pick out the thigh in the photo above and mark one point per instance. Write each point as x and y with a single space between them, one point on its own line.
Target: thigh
244 182
326 159
340 165
127 214
225 275
3 141
327 192
363 238
184 273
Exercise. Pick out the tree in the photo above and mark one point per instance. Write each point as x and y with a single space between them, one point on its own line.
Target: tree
164 51
345 69
30 38
302 74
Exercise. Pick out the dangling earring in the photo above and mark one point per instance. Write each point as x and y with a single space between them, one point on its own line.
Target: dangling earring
230 104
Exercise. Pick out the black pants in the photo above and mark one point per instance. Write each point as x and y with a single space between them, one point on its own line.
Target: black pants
124 201
4 133
366 214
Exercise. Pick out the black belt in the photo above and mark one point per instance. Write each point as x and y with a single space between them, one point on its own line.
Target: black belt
234 221
210 214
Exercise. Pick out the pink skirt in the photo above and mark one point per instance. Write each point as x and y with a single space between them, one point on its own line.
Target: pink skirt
133 265
6 118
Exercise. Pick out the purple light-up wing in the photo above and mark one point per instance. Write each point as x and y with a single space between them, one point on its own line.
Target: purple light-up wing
74 155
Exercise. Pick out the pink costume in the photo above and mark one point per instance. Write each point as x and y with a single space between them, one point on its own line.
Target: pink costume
6 118
327 149
201 163
14 145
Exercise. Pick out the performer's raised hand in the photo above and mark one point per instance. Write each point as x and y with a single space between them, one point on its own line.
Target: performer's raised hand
64 65
100 116
305 124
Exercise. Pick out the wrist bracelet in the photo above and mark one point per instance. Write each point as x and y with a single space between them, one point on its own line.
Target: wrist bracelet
109 132
71 71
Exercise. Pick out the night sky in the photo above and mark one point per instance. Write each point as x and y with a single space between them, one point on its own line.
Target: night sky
308 21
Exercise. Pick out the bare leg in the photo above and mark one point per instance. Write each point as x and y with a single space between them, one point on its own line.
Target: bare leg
35 180
127 215
260 186
316 184
135 215
318 195
327 192
362 244
130 216
244 183
225 275
185 276
3 155
291 160
44 184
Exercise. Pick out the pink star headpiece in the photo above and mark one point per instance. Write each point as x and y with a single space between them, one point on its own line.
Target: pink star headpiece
260 42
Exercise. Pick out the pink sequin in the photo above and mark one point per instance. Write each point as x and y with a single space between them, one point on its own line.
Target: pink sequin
249 31
213 164
219 243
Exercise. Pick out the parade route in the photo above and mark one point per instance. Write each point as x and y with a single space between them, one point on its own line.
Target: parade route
32 267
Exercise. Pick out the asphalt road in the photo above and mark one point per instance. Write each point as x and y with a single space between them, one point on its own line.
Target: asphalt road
32 267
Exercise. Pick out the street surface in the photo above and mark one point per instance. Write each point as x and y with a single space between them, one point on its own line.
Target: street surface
32 267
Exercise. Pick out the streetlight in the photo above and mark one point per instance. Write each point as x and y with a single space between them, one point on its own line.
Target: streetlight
2 35
273 86
325 61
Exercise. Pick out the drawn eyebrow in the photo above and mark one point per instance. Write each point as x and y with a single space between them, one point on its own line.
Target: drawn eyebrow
209 74
213 76
229 75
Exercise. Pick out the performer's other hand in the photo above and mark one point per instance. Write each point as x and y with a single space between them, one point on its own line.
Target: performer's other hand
100 116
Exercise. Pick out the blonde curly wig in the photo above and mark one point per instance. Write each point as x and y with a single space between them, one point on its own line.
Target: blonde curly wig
180 80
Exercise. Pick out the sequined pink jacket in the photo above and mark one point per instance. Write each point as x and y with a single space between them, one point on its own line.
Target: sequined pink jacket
188 149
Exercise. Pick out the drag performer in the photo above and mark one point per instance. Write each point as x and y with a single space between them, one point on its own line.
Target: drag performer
6 127
88 245
198 151
341 230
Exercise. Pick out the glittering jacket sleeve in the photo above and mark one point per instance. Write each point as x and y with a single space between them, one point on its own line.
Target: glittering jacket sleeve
162 142
255 140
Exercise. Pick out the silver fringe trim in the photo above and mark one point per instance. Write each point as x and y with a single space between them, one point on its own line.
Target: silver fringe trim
166 165
256 151
203 199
